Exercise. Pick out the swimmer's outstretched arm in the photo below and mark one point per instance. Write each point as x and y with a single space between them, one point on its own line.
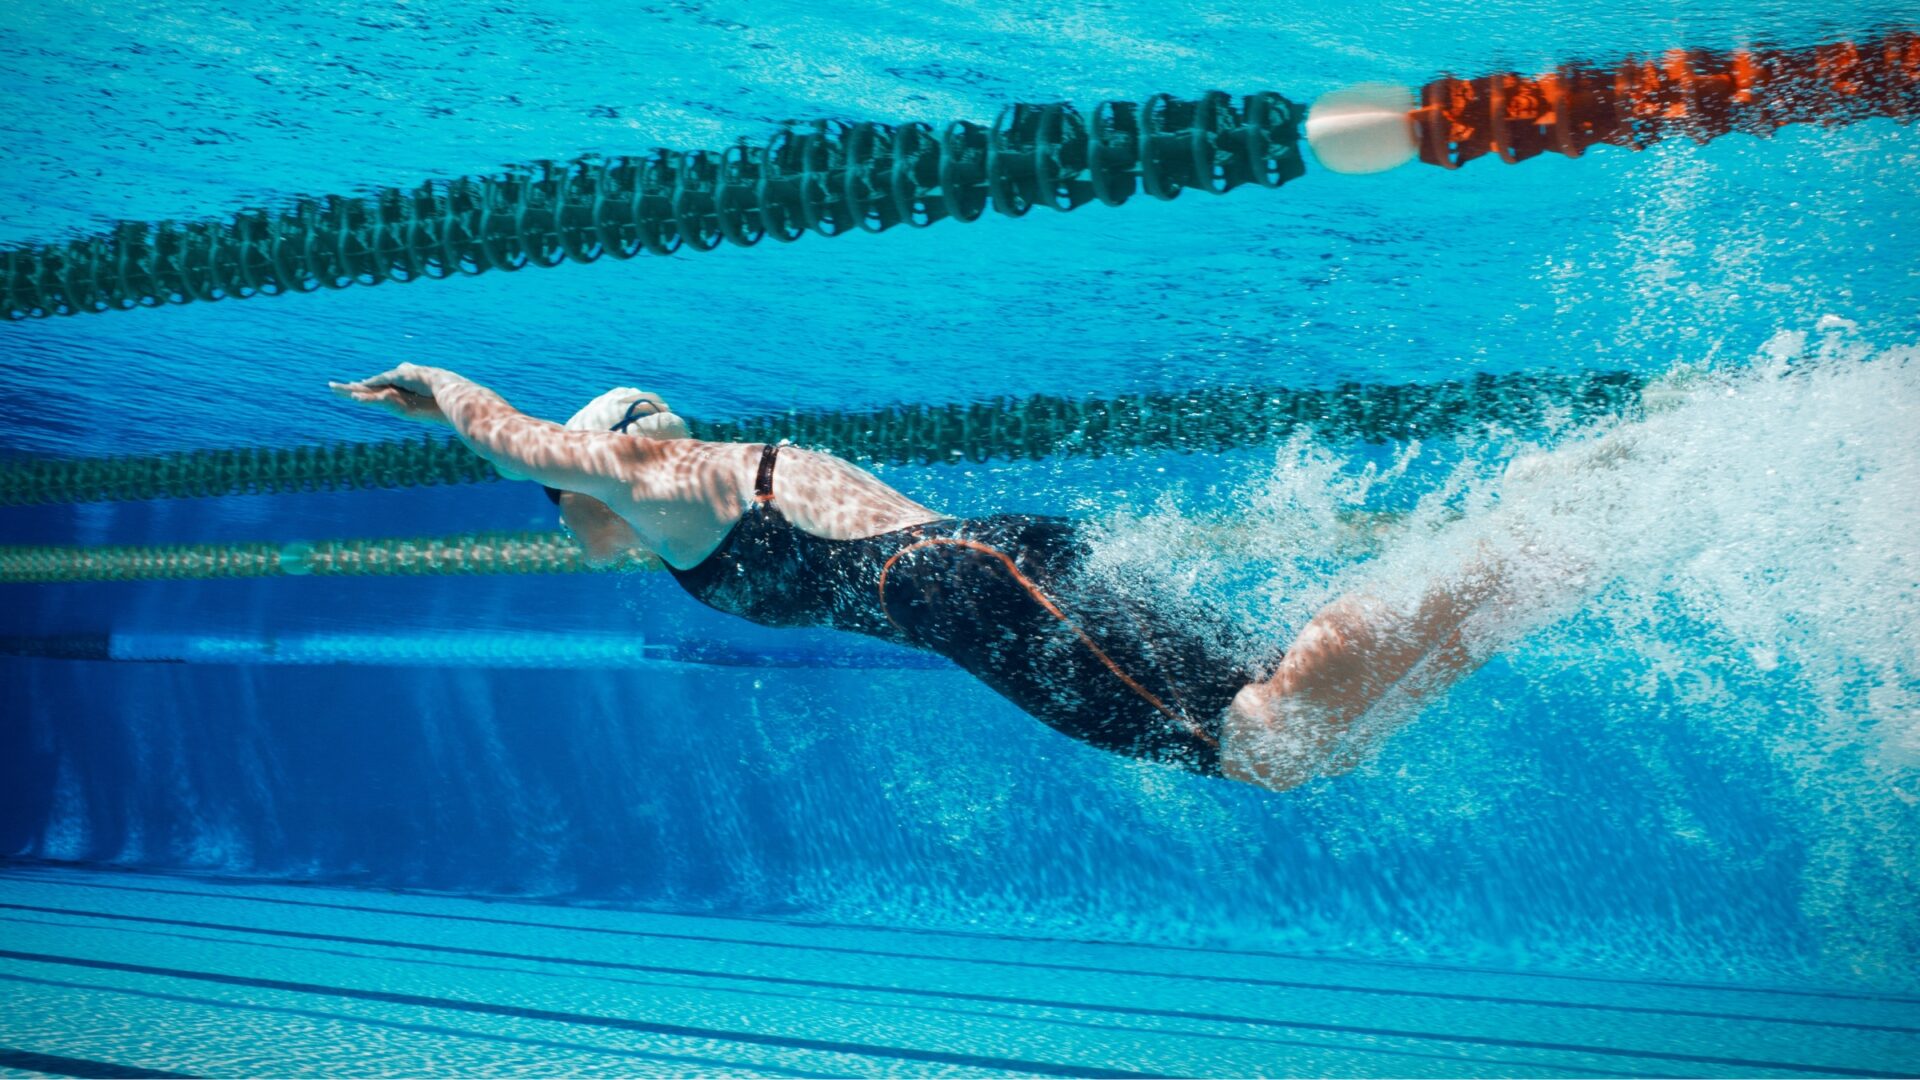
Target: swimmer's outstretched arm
592 463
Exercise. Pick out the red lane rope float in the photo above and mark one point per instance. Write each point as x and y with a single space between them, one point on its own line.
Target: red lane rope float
1695 93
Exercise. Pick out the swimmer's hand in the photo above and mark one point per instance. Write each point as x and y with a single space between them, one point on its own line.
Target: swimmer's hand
406 390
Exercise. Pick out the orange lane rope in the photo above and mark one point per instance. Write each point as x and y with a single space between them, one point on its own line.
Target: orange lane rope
1696 93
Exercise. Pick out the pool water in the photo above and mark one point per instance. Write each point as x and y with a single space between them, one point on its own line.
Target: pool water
579 824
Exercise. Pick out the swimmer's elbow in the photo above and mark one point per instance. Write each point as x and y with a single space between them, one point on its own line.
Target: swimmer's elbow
609 557
597 464
599 561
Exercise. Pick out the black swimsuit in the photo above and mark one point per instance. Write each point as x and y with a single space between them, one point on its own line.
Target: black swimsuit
1003 597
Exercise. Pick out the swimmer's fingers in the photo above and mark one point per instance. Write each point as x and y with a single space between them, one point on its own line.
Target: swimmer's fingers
409 377
394 399
368 394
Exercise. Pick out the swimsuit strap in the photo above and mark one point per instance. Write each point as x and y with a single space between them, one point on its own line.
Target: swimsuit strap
763 481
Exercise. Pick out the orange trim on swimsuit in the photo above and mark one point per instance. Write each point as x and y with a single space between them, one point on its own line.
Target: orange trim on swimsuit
1052 609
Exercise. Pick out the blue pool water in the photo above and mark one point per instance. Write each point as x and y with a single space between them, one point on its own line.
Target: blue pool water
1695 791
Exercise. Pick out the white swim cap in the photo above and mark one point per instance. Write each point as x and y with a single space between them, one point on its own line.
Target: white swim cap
607 411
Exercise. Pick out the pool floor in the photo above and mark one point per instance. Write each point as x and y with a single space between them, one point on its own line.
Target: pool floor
131 974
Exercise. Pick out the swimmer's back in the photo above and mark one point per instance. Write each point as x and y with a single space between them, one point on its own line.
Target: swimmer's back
693 492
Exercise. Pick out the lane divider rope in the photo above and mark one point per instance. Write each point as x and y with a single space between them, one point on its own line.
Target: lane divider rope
466 554
828 178
832 177
1210 419
1700 94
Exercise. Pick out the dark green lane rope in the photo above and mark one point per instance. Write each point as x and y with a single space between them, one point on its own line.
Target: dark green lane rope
1211 419
827 177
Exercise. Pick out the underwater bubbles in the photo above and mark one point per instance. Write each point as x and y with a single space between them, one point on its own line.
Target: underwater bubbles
1712 677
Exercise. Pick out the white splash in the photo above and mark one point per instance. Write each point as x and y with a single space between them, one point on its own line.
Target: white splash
1741 563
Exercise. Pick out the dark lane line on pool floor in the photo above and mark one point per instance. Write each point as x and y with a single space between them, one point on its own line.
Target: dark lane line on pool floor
826 984
948 1010
35 873
753 1038
40 869
1014 1065
436 1030
58 871
987 961
56 1065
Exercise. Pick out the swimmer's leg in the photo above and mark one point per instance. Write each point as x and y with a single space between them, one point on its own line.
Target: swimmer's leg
1357 670
1361 667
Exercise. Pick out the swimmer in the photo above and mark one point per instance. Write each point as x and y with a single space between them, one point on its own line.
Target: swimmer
784 536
